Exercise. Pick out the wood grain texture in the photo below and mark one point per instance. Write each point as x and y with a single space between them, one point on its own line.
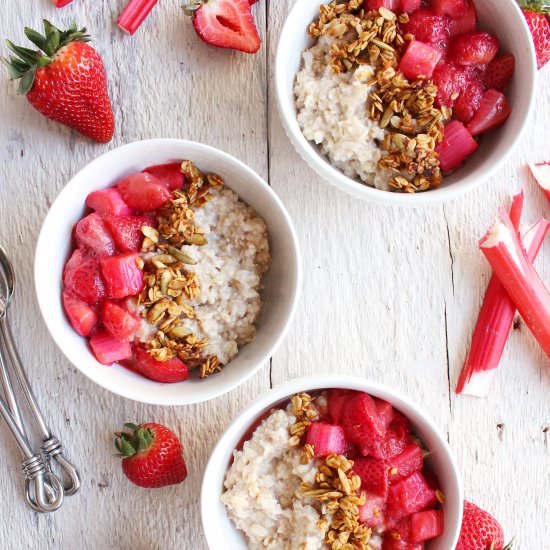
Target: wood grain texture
389 293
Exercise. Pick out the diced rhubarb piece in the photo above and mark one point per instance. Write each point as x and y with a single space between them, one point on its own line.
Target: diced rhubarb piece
410 6
469 101
450 80
411 495
361 421
169 371
398 530
134 14
405 464
426 525
493 112
373 474
429 28
77 257
515 271
326 439
541 173
465 24
456 147
391 5
371 513
499 72
107 349
118 322
122 276
61 3
169 175
385 411
473 48
143 191
82 317
454 9
126 231
419 60
92 233
338 400
86 282
108 202
390 543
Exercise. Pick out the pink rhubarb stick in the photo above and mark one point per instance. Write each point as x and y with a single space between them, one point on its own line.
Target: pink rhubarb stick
61 3
525 288
134 14
542 175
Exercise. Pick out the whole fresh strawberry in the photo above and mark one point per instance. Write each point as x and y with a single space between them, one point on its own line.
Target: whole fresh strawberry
151 455
65 80
225 24
480 531
536 14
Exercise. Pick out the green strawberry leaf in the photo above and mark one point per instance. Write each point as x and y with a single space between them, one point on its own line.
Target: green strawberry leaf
26 82
52 42
29 56
35 37
13 71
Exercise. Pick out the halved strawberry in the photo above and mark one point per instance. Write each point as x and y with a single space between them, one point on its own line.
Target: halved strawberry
473 48
82 317
143 191
469 101
85 281
385 411
107 349
361 421
77 257
454 9
419 60
429 28
92 233
225 24
122 276
108 202
499 72
493 112
126 231
118 322
169 175
169 371
467 23
373 474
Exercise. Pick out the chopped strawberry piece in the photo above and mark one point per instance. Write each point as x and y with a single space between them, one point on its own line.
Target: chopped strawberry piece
371 513
385 411
373 474
118 322
426 525
327 439
467 23
406 463
82 317
108 202
143 191
390 543
361 421
85 281
419 60
400 425
499 72
77 257
399 530
413 494
450 80
337 402
493 112
454 9
390 446
92 233
169 371
473 48
410 6
429 28
122 276
126 231
169 175
469 101
457 145
107 349
391 5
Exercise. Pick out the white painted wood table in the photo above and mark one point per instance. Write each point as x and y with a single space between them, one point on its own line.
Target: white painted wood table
390 294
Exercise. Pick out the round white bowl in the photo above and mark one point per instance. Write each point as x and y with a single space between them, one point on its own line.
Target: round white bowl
282 282
503 17
220 531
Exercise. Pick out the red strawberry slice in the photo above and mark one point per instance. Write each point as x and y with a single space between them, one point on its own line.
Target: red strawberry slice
108 350
385 411
426 525
92 233
361 421
450 80
143 191
371 513
410 6
85 281
126 231
373 474
399 530
108 202
391 5
465 24
121 275
337 402
77 257
390 543
539 25
118 322
454 9
429 28
413 494
227 24
473 48
390 446
499 72
406 463
169 175
169 371
419 60
82 317
457 145
469 101
493 112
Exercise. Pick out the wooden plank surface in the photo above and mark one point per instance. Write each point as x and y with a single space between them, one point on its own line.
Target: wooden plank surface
389 293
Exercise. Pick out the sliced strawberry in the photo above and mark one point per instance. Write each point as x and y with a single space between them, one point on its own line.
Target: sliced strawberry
469 101
454 9
82 317
426 525
406 463
371 513
493 112
385 411
411 495
92 233
169 175
391 5
499 72
227 24
327 439
457 145
107 349
85 281
400 424
361 421
169 371
419 60
410 6
399 530
122 276
373 474
450 80
473 48
118 322
337 402
77 257
143 191
429 28
126 231
467 23
108 202
391 445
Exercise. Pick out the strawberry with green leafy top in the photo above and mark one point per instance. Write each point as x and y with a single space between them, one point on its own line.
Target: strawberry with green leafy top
537 14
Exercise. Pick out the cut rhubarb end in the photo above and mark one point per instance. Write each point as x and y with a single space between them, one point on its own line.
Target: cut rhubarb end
134 14
61 3
541 172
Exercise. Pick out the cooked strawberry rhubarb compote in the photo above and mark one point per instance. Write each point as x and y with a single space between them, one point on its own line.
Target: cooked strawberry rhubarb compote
338 468
397 93
166 273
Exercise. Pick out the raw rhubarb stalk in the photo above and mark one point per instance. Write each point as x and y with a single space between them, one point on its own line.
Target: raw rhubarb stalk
61 3
134 14
542 175
521 281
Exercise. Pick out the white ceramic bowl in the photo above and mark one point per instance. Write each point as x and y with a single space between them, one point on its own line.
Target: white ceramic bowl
282 283
503 17
220 531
